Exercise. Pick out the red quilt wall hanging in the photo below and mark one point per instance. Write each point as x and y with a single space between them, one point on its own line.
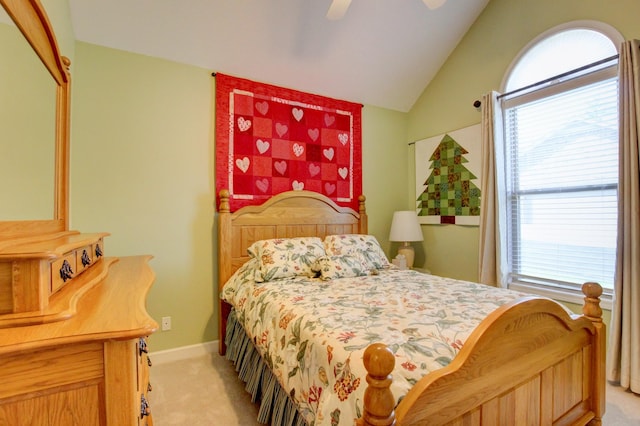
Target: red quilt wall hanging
270 140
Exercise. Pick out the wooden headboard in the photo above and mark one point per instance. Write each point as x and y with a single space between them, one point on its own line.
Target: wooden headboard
286 215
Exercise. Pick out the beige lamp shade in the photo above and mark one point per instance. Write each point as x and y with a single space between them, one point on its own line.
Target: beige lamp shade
405 229
433 4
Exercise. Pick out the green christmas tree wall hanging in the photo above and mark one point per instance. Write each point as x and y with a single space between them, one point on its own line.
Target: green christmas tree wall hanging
449 190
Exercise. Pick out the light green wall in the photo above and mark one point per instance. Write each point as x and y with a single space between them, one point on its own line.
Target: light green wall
142 168
477 66
385 165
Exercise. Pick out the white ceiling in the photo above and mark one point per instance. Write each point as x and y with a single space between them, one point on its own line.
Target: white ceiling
382 53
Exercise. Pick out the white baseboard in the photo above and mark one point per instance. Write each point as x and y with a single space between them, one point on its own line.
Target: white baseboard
184 352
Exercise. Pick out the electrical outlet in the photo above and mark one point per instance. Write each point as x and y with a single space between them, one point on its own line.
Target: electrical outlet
166 323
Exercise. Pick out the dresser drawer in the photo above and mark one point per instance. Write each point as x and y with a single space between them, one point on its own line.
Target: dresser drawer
63 270
74 263
97 249
27 374
84 258
90 254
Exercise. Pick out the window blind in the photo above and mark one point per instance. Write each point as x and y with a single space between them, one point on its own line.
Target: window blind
562 174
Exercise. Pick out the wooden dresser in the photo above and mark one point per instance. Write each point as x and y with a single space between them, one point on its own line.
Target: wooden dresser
90 368
73 323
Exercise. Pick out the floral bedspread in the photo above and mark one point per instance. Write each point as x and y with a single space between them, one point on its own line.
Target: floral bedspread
313 333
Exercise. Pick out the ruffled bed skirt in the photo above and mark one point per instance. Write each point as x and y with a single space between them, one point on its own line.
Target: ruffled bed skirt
276 407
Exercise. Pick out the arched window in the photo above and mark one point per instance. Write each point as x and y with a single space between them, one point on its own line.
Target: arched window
559 53
561 160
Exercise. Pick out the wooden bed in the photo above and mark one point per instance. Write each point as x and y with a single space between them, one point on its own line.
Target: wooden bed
528 362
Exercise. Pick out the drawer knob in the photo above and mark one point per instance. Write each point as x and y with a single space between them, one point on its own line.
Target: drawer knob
149 387
66 273
98 251
145 410
86 260
148 361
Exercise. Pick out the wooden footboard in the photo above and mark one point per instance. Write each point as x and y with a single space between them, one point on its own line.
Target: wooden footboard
527 363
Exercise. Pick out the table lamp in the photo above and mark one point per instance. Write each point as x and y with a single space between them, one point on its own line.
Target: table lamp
405 228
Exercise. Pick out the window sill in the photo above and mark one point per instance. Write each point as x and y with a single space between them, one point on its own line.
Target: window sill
559 294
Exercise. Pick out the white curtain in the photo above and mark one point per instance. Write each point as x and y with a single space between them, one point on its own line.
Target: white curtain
623 358
491 262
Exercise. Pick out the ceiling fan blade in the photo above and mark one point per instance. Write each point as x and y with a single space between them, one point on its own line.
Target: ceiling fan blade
434 4
337 9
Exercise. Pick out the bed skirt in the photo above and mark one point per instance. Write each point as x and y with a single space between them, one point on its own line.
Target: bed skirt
276 407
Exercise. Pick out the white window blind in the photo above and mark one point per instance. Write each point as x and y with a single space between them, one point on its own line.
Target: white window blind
562 173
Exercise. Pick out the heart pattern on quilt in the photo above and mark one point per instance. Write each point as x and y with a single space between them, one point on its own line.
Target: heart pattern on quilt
313 134
281 129
329 188
328 152
243 124
297 186
298 149
263 146
297 113
329 119
262 184
343 138
280 166
262 107
243 164
313 169
343 172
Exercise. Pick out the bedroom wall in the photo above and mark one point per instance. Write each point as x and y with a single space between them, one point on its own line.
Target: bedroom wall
142 168
477 66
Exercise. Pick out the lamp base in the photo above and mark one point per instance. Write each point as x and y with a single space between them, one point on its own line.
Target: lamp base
409 253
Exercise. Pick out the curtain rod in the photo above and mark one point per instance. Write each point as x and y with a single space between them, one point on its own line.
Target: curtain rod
477 103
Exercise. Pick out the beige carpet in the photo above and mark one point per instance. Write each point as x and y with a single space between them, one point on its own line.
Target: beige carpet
205 391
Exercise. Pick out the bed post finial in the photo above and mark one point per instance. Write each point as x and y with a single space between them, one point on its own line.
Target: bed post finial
363 223
361 207
378 399
591 309
224 264
224 201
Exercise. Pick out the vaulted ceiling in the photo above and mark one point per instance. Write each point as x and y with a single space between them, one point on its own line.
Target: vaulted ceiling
381 53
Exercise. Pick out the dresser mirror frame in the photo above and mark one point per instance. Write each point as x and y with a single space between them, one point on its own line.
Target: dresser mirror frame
32 21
